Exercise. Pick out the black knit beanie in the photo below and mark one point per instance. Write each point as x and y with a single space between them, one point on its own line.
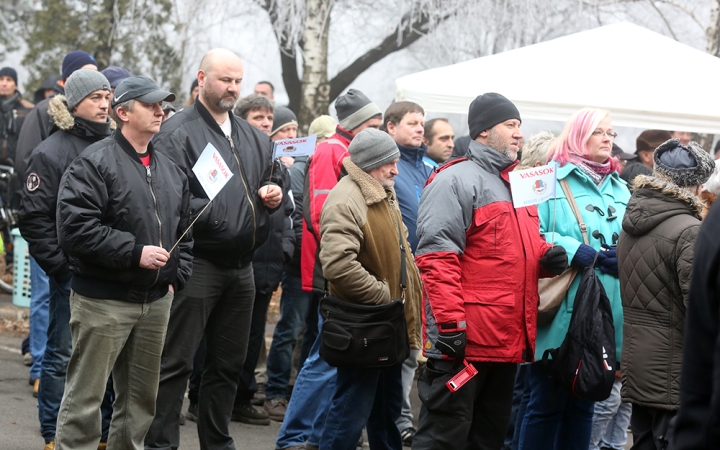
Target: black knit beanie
9 72
488 110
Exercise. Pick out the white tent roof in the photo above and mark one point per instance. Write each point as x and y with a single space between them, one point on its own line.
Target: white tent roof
644 79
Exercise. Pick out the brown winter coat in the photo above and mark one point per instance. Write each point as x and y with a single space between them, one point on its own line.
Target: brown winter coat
360 249
655 255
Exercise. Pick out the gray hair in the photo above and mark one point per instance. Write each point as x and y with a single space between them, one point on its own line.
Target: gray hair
536 150
127 105
253 102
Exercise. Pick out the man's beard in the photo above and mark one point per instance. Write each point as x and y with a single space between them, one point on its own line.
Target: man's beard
496 143
225 103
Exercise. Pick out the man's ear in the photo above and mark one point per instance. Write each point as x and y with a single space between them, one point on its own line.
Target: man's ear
390 128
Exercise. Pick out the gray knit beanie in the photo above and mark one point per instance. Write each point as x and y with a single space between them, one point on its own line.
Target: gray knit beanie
684 165
283 117
372 148
82 83
354 108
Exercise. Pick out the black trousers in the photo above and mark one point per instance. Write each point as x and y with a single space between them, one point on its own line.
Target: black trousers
476 417
247 386
216 303
650 428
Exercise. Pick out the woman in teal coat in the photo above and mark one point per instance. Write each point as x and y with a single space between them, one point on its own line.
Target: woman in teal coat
554 418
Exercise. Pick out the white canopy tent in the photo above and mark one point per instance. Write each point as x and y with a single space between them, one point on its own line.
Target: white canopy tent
644 79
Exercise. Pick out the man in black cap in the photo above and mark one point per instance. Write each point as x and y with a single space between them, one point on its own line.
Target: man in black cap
13 109
80 118
645 145
123 207
479 259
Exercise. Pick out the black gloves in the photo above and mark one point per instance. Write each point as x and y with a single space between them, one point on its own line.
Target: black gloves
607 260
452 344
555 260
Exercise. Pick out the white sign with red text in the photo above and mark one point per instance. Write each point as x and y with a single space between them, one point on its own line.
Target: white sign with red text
304 146
211 171
533 186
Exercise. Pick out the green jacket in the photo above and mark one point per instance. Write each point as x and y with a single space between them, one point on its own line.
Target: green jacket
556 214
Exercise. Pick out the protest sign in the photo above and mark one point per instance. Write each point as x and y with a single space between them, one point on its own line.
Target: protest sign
533 186
211 171
304 146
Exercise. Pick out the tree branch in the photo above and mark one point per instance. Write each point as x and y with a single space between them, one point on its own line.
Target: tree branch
407 36
662 16
288 59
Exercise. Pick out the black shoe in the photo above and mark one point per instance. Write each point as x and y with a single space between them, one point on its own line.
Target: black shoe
407 436
192 413
259 397
246 413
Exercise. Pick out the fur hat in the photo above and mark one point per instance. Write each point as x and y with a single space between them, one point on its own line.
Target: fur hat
283 117
372 148
649 140
354 108
488 110
684 165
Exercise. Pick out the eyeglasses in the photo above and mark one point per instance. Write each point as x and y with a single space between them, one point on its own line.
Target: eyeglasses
599 133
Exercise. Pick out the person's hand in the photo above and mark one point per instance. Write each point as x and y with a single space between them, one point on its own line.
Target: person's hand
607 260
452 344
555 260
153 257
271 195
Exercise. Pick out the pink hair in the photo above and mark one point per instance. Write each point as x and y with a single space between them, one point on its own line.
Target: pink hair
574 137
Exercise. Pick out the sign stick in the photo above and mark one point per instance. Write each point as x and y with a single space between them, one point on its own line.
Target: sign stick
191 225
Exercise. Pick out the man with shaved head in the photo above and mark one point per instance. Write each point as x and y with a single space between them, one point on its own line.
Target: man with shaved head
218 300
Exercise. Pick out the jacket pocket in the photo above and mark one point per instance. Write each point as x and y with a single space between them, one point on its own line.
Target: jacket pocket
489 317
487 235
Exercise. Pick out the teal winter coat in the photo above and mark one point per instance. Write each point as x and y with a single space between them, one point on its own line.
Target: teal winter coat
612 193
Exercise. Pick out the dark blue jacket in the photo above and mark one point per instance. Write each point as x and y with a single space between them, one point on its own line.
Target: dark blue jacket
409 184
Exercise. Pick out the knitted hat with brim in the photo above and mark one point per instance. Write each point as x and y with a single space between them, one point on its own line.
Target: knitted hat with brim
373 148
684 165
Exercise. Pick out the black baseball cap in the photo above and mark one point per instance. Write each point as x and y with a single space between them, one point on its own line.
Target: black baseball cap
140 88
620 154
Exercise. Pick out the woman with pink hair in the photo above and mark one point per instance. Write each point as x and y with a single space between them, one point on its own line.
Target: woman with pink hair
554 418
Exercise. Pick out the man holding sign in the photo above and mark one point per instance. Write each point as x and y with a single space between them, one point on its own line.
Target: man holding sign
121 207
218 300
479 259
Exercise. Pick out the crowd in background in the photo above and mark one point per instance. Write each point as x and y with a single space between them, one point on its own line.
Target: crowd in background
145 288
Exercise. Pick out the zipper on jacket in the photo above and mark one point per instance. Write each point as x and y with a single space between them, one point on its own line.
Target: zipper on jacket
247 190
152 193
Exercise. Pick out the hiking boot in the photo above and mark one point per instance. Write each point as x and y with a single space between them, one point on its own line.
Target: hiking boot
246 413
259 397
192 413
275 408
102 446
407 436
36 388
49 446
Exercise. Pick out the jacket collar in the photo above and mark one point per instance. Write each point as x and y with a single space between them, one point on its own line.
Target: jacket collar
670 190
344 134
489 159
372 191
413 155
130 150
210 120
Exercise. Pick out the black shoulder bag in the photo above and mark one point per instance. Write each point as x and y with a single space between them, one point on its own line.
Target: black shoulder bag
365 336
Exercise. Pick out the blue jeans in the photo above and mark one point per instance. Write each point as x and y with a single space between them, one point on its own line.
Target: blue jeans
610 421
371 397
310 401
294 309
39 314
554 418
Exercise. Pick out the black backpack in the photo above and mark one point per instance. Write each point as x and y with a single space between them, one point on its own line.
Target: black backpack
585 363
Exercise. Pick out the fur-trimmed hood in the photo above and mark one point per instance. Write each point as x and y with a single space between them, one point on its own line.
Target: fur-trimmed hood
61 115
369 186
655 200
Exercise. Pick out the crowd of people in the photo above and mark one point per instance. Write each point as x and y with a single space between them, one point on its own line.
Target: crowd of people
145 287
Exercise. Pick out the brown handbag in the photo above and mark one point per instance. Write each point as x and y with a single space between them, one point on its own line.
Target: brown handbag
552 291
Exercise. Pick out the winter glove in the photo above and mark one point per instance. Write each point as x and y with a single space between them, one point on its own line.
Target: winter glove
584 256
607 260
452 344
555 260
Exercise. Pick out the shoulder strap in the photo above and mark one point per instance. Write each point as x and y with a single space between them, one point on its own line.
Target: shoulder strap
403 265
439 169
571 199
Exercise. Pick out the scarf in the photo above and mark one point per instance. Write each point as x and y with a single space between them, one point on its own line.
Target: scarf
596 171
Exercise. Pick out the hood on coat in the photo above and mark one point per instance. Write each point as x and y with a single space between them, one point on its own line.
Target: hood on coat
655 200
372 191
61 115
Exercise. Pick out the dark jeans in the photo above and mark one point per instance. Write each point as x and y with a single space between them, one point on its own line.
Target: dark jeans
518 407
196 377
364 397
650 428
296 307
247 385
554 418
475 417
217 302
55 361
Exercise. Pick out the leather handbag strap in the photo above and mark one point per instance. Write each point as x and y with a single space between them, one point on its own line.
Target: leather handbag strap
571 199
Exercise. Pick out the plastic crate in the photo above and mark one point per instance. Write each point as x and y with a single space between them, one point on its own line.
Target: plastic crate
21 270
